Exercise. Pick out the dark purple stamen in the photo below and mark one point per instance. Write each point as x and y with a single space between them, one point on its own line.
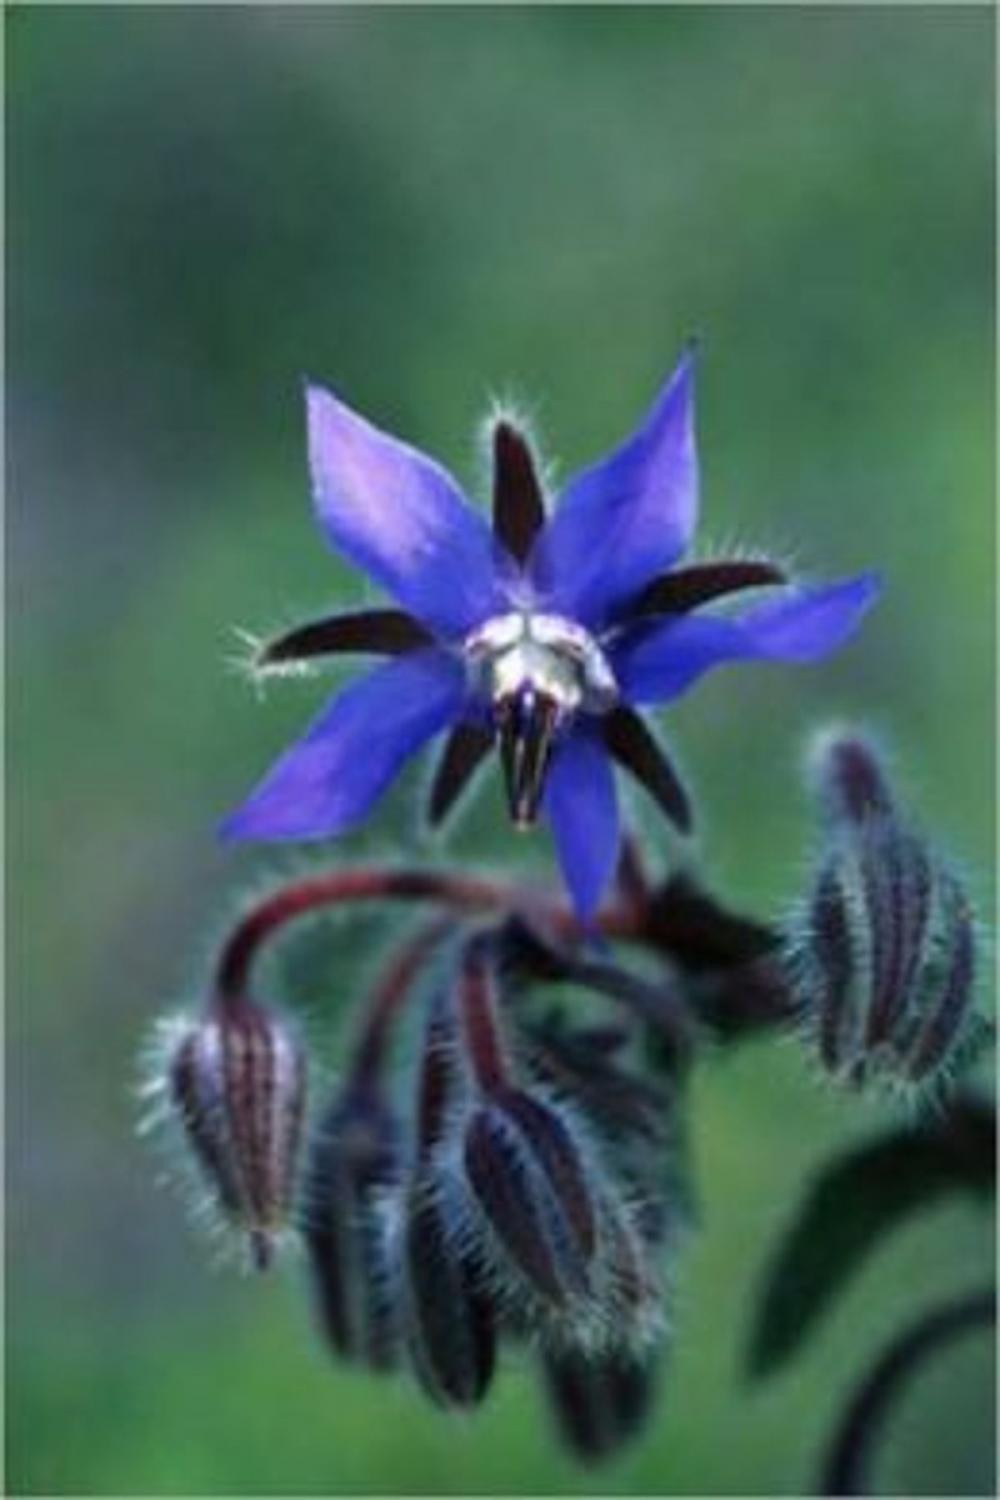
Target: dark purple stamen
526 723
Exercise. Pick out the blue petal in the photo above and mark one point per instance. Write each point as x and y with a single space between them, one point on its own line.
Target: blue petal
400 517
656 663
628 517
327 781
582 808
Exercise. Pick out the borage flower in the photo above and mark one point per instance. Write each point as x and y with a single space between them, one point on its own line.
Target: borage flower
542 635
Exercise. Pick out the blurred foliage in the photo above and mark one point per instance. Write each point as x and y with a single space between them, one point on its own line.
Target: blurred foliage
423 207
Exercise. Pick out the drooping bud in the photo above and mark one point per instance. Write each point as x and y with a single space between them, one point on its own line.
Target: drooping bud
883 953
599 1402
355 1163
635 1120
529 1183
851 782
631 1293
450 1317
554 1221
237 1079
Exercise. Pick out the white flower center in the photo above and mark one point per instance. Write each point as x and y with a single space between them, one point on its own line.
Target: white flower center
545 654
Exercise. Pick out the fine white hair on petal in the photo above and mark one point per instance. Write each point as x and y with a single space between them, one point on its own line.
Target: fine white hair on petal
504 406
245 661
729 546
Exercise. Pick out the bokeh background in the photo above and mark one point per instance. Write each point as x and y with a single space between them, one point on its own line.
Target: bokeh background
425 207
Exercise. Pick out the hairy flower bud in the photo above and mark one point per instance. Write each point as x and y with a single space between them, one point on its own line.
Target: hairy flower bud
449 1314
355 1163
237 1080
599 1402
450 1317
884 948
529 1183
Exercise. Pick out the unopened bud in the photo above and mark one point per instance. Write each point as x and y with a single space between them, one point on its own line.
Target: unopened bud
528 1179
600 1401
630 1289
884 949
851 781
237 1079
354 1164
450 1318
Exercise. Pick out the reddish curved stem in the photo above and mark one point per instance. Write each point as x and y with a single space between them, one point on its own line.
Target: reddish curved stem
460 893
480 1019
388 995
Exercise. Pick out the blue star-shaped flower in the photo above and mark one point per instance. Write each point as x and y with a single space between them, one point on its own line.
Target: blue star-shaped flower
542 635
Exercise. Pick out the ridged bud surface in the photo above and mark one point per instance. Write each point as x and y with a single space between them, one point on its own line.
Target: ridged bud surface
529 1185
450 1318
884 950
237 1079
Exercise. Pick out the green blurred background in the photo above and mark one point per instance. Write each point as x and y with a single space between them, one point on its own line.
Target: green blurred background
425 207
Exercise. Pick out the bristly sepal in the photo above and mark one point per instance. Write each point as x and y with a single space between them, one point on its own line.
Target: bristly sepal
355 1165
883 950
236 1082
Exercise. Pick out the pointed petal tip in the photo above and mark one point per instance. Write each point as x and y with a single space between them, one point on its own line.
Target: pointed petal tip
312 389
854 597
318 396
680 381
868 586
690 358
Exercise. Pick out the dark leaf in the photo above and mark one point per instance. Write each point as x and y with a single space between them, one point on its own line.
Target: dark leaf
853 1205
844 1469
633 745
382 632
518 508
464 749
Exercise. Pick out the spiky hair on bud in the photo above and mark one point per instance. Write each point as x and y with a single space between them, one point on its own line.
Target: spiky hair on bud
231 1081
883 948
450 1317
355 1168
599 1403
